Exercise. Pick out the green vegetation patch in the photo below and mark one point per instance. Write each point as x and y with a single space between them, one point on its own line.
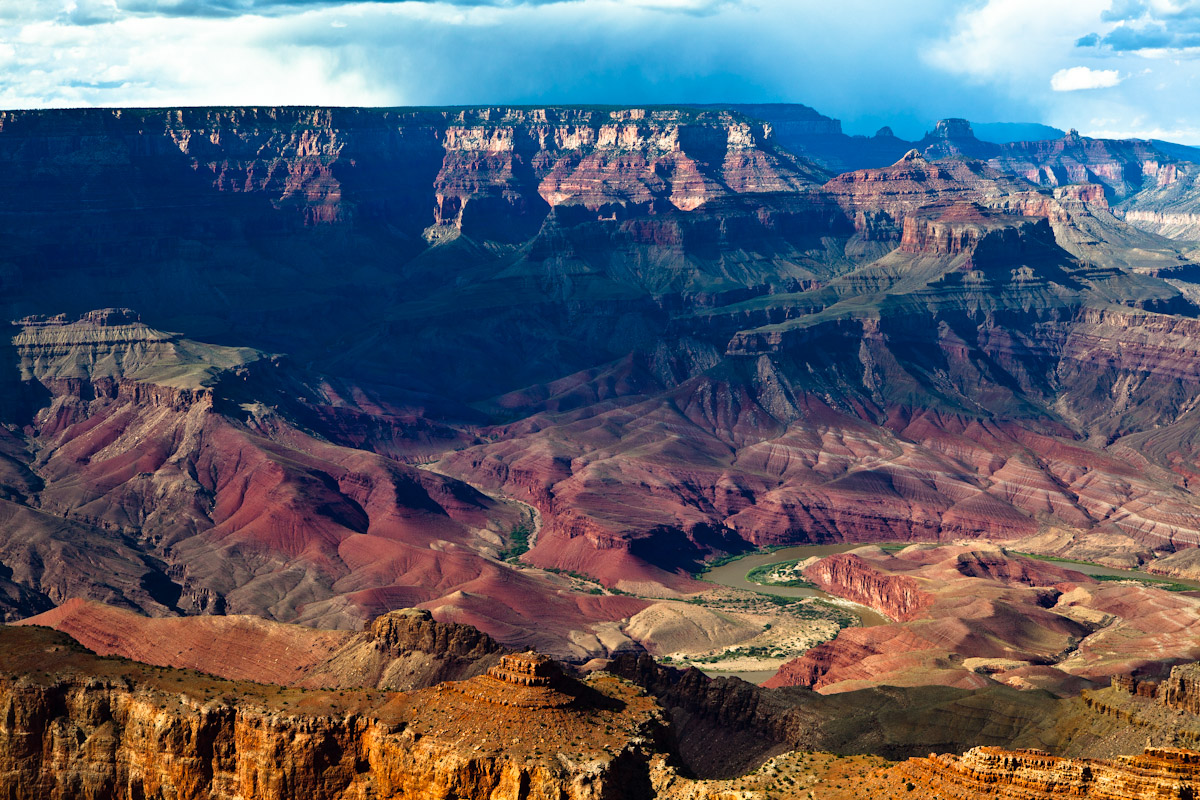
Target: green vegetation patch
1169 586
782 573
1055 559
518 542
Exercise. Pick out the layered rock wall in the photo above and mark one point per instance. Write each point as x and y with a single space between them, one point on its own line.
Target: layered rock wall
444 169
1034 775
120 735
846 575
1181 691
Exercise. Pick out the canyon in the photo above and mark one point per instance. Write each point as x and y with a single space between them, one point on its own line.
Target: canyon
372 401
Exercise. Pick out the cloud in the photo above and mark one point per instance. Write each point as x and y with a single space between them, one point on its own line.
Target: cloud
995 42
17 11
1124 10
236 8
504 51
1129 10
1168 26
91 12
1008 48
904 64
1076 78
1191 135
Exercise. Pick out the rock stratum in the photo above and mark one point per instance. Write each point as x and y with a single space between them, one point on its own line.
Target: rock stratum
1033 775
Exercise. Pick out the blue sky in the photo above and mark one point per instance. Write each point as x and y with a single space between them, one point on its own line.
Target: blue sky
1107 67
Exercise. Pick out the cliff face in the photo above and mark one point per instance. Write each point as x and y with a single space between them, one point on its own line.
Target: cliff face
846 575
1122 167
725 726
1033 775
954 138
120 731
1181 690
878 200
478 170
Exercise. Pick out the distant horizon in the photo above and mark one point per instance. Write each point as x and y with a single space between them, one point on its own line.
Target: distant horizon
909 134
1110 68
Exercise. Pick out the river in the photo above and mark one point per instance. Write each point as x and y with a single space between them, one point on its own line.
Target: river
734 574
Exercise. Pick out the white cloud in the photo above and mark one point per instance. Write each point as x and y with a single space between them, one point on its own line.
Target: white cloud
904 64
158 61
999 42
1189 136
1074 79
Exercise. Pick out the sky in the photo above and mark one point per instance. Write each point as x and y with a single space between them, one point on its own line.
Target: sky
1106 67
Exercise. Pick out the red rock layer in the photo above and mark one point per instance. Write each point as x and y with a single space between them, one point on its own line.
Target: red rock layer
878 200
405 649
234 647
846 575
498 163
967 617
254 515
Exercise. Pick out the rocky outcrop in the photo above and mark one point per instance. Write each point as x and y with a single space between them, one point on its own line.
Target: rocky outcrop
110 348
114 729
404 650
415 629
950 230
1057 207
1035 775
846 575
954 138
968 617
1181 690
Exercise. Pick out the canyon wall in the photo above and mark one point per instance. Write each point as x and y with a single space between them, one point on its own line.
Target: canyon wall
848 576
1034 775
81 727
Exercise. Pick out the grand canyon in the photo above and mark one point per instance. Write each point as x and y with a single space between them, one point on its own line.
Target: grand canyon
594 452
